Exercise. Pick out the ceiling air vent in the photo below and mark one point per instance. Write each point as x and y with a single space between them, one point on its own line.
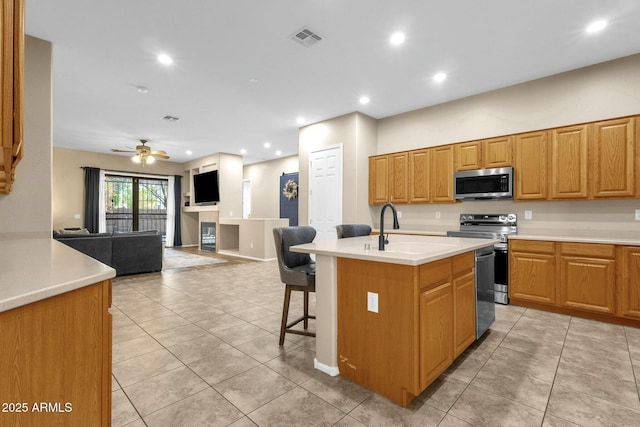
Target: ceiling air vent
171 119
306 37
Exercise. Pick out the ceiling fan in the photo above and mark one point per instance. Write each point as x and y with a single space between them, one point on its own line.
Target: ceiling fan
143 154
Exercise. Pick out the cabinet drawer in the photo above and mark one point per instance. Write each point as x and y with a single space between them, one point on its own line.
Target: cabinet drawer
462 264
435 274
588 249
539 246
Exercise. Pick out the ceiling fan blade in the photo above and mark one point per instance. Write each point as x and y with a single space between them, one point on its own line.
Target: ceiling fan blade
115 150
160 156
159 152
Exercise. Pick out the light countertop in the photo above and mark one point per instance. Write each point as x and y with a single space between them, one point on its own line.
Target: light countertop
401 249
35 268
427 231
611 237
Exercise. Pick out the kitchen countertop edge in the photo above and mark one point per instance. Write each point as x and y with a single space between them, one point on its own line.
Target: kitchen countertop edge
568 237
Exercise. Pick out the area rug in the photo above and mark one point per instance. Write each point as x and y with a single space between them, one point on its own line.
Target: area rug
180 259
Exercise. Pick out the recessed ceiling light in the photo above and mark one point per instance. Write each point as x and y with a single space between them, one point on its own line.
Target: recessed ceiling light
439 77
364 100
142 89
397 39
596 26
243 151
278 153
252 80
189 152
267 144
165 59
301 120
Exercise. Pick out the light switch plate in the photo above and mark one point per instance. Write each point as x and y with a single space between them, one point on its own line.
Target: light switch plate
637 214
528 214
372 302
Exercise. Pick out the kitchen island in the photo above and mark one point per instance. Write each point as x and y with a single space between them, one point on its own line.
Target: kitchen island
393 320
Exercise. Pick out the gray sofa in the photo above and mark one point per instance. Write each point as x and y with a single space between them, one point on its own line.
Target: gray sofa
129 253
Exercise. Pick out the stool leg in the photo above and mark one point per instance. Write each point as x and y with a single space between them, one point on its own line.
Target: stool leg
285 313
306 309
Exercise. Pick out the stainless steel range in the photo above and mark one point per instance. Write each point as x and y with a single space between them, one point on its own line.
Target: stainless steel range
492 226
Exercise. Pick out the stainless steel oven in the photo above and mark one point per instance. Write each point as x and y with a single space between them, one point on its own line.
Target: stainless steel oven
492 226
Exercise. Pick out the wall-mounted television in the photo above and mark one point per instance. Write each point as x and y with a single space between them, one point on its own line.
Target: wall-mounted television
205 188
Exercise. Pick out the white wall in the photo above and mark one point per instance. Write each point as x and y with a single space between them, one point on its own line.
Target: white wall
265 185
28 207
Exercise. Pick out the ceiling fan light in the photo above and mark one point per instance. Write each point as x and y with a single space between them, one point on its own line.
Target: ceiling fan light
149 160
136 159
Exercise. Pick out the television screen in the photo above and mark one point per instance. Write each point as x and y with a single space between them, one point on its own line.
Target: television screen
205 188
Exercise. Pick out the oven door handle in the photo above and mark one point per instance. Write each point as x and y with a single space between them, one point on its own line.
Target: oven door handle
485 257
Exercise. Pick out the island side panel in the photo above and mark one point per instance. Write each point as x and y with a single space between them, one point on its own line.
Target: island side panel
55 357
379 350
326 359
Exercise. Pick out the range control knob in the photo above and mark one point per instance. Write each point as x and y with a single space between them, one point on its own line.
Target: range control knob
511 218
502 218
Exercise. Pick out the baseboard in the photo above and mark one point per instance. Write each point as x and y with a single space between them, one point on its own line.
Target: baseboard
329 370
235 254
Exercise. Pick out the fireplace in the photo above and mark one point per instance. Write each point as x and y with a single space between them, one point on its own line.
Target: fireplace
208 236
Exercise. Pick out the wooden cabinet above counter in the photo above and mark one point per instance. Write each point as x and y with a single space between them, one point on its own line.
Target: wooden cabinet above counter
596 160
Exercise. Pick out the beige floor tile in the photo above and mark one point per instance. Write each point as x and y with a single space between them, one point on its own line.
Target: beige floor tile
122 411
586 410
296 365
378 411
297 407
145 366
551 421
238 335
484 347
349 421
451 421
201 313
254 388
220 323
134 347
197 349
163 323
206 408
338 391
222 364
163 390
126 333
243 422
179 335
443 392
482 408
465 367
266 348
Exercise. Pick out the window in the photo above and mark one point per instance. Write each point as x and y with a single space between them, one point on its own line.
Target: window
135 204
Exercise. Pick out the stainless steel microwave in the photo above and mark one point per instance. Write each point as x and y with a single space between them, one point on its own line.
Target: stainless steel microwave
483 184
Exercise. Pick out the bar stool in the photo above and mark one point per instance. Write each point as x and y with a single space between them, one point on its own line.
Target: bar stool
352 230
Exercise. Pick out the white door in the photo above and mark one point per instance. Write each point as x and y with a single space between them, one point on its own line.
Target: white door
325 191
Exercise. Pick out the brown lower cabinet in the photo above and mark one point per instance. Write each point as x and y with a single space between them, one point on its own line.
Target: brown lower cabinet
599 281
425 319
55 360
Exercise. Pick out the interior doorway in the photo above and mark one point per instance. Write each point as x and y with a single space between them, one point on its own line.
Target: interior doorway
325 191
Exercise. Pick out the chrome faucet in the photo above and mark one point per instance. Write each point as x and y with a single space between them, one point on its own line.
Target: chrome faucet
381 239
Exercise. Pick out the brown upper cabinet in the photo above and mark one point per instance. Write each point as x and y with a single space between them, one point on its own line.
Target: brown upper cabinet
419 167
399 177
569 162
616 164
378 180
12 89
485 154
442 174
531 156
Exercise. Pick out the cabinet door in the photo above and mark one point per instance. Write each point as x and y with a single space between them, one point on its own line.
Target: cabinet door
614 148
588 284
442 174
436 332
569 162
532 275
497 152
419 166
531 166
398 177
468 156
629 282
378 180
464 305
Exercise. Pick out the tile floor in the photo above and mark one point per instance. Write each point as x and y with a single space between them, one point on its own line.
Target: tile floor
198 346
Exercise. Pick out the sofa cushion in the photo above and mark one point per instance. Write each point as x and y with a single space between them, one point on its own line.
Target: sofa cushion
96 246
136 253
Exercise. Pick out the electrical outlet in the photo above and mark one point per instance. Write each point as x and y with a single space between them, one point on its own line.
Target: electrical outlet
399 214
437 214
77 216
372 302
251 245
637 214
528 214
